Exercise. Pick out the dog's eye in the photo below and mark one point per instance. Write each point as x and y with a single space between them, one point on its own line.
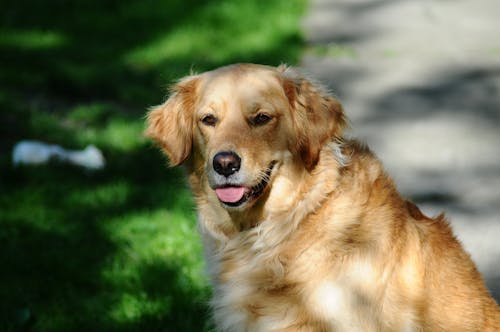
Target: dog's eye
209 120
261 119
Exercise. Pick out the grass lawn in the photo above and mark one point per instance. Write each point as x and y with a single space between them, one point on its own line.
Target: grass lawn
115 250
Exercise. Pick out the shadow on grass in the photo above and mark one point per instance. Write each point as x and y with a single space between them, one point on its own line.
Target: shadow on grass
66 269
76 48
121 49
59 54
115 250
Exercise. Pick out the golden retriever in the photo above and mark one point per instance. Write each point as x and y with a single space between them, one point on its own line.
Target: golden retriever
303 230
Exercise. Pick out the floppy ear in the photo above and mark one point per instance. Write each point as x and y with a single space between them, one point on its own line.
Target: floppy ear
317 116
170 124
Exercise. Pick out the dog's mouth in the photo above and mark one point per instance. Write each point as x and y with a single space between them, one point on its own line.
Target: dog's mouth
235 196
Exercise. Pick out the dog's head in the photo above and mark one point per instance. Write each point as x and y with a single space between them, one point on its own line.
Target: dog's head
238 124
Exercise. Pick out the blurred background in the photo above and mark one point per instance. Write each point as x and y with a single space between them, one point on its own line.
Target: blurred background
420 81
116 249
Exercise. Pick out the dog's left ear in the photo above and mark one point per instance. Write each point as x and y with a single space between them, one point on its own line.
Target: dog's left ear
317 116
171 123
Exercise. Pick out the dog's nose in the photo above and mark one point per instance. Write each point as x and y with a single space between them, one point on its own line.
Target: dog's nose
226 163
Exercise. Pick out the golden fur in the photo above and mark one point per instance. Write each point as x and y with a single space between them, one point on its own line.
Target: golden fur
324 242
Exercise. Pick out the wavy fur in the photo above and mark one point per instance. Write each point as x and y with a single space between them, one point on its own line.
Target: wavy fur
328 244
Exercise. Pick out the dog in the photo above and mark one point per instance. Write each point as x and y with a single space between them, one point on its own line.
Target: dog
302 228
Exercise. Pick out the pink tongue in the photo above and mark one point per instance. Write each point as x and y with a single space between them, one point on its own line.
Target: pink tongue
230 194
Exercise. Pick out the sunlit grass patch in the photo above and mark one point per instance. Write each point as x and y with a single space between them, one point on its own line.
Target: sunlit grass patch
157 264
171 233
31 39
100 124
93 114
106 194
118 134
223 31
131 308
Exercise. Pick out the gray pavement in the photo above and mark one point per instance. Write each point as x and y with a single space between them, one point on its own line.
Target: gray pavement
420 81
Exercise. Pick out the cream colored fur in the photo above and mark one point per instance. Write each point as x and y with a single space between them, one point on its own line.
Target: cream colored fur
328 244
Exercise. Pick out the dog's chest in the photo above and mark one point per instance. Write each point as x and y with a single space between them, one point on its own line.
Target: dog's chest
253 294
257 292
264 291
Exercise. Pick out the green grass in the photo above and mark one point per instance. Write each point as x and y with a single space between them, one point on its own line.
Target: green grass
115 250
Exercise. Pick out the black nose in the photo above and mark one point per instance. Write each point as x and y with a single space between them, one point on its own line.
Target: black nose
226 163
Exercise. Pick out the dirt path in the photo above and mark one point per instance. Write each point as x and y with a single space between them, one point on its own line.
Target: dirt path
420 81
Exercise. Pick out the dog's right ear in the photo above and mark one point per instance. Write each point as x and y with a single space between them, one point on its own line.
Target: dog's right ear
170 124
